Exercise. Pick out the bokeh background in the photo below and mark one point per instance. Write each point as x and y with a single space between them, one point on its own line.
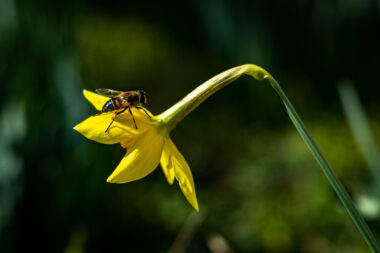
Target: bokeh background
258 186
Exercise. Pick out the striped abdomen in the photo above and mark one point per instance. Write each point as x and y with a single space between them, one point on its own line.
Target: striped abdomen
112 104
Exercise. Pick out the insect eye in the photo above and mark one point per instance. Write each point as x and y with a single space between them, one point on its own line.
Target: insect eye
142 97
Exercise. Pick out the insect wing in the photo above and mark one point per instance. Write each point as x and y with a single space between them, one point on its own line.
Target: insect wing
108 92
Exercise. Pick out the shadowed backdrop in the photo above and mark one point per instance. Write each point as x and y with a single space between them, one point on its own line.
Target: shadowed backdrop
258 187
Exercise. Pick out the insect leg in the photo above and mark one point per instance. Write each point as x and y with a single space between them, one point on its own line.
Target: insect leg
113 119
142 108
130 111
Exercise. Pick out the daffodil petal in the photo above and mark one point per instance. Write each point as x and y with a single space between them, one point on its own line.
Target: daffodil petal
167 164
141 159
95 99
123 127
127 143
175 165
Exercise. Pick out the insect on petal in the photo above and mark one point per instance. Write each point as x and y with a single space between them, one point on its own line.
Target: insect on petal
122 128
94 128
175 165
141 158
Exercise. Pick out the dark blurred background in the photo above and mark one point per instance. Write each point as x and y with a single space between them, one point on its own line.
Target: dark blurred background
258 186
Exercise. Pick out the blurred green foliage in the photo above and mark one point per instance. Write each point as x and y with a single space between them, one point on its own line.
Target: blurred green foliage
257 183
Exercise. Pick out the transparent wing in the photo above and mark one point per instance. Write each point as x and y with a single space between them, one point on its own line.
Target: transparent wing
108 92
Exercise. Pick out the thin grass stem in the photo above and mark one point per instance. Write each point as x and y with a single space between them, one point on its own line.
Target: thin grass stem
327 170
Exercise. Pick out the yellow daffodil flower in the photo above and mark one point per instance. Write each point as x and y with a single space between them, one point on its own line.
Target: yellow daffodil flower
146 146
150 144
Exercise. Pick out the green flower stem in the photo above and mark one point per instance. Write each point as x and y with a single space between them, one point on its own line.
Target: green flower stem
176 113
172 116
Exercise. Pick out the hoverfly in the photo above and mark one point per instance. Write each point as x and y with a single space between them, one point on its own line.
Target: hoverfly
123 100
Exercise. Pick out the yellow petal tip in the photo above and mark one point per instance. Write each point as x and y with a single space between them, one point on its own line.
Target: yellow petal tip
95 99
196 207
110 179
115 179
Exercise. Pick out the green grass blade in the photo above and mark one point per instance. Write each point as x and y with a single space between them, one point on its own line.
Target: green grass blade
368 202
332 178
360 127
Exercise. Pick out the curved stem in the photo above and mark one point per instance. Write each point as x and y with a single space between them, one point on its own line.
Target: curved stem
176 113
172 116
